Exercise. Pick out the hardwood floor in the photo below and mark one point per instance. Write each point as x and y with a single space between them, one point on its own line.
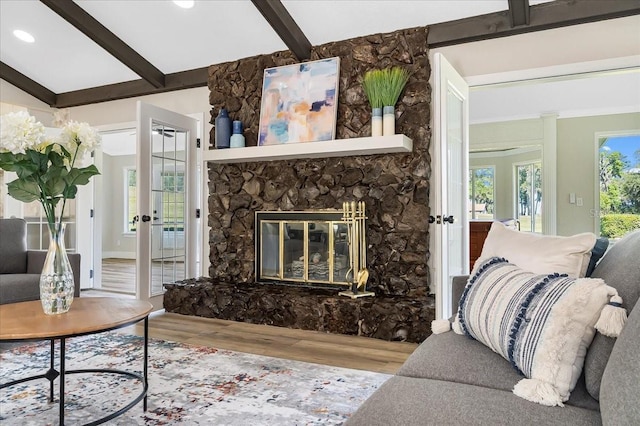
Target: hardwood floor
119 275
362 353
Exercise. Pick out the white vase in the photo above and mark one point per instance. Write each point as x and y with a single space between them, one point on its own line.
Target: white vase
388 121
376 122
56 279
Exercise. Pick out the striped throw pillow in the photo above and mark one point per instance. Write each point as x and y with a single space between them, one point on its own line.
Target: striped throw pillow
541 324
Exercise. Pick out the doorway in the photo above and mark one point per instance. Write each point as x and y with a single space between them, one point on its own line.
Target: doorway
118 220
115 219
528 188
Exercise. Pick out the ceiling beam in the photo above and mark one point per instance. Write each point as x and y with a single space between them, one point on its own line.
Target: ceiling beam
544 16
25 84
97 32
519 12
176 81
283 24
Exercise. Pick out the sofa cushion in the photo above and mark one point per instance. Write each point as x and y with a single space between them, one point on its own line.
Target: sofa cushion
542 254
542 324
620 269
19 288
439 358
13 246
620 388
408 401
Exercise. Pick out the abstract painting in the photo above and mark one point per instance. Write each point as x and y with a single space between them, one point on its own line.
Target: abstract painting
299 102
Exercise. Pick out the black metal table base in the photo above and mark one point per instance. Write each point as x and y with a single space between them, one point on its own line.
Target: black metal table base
52 374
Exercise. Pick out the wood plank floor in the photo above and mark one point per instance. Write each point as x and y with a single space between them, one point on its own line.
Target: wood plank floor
363 353
356 352
119 275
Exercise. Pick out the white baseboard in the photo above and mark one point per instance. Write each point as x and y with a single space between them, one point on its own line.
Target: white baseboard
118 255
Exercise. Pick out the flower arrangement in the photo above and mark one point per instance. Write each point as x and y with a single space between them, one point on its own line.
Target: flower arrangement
47 168
383 87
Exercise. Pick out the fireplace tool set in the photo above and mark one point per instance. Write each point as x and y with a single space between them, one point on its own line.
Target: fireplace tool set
353 214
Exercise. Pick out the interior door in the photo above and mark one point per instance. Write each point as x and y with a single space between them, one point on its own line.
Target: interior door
166 189
451 169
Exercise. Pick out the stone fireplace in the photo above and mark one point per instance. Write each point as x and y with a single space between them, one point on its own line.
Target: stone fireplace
395 188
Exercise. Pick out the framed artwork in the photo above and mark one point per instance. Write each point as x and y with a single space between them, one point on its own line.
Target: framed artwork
299 102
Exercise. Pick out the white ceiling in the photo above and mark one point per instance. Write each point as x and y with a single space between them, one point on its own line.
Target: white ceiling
213 31
599 93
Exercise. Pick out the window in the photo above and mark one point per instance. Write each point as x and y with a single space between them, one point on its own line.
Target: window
619 185
173 201
529 197
131 219
481 193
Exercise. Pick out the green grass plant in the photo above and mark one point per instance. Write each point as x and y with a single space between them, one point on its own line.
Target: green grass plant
383 87
373 83
394 81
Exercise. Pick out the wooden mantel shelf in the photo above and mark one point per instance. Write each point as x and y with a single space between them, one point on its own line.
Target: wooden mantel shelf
334 148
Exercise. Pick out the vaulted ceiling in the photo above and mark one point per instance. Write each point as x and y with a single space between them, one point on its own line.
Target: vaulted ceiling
89 51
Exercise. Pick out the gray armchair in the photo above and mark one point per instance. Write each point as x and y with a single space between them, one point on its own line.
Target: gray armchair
20 268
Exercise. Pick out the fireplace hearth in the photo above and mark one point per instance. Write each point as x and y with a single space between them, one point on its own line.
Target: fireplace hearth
399 318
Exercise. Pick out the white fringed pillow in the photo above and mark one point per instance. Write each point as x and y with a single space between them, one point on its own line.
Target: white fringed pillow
542 254
542 324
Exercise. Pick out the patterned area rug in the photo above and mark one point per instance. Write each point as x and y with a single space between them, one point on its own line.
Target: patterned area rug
188 385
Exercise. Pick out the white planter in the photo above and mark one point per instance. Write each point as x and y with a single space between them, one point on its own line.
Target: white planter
376 122
388 121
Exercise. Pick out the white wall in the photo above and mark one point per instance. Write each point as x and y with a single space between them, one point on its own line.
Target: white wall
577 165
576 155
115 242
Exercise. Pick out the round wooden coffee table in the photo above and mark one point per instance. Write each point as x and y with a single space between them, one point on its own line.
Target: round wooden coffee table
26 321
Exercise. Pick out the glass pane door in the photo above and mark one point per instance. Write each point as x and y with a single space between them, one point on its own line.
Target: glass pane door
166 186
529 197
169 208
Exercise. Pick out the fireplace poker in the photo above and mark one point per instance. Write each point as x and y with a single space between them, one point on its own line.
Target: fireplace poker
363 274
356 252
354 217
346 218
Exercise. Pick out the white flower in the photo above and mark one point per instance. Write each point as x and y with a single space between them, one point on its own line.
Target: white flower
19 131
79 137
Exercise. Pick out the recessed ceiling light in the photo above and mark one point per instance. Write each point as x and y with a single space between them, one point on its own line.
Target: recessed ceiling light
24 36
185 4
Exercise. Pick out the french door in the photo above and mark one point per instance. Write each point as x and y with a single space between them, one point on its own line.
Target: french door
166 210
451 181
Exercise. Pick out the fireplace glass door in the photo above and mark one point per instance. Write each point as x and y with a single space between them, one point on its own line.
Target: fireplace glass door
305 251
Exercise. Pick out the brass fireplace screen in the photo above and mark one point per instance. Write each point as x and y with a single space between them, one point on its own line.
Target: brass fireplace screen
309 247
303 247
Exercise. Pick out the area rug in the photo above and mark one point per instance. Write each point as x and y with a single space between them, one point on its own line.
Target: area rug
188 385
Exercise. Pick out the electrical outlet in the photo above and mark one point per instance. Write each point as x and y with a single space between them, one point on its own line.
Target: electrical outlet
579 202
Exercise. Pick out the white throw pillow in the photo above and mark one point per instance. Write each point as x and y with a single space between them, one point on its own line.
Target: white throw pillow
542 324
542 254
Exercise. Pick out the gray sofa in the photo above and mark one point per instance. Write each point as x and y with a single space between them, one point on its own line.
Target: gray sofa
452 379
20 268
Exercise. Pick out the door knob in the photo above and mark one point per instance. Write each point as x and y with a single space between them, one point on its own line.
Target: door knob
432 219
146 218
449 219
